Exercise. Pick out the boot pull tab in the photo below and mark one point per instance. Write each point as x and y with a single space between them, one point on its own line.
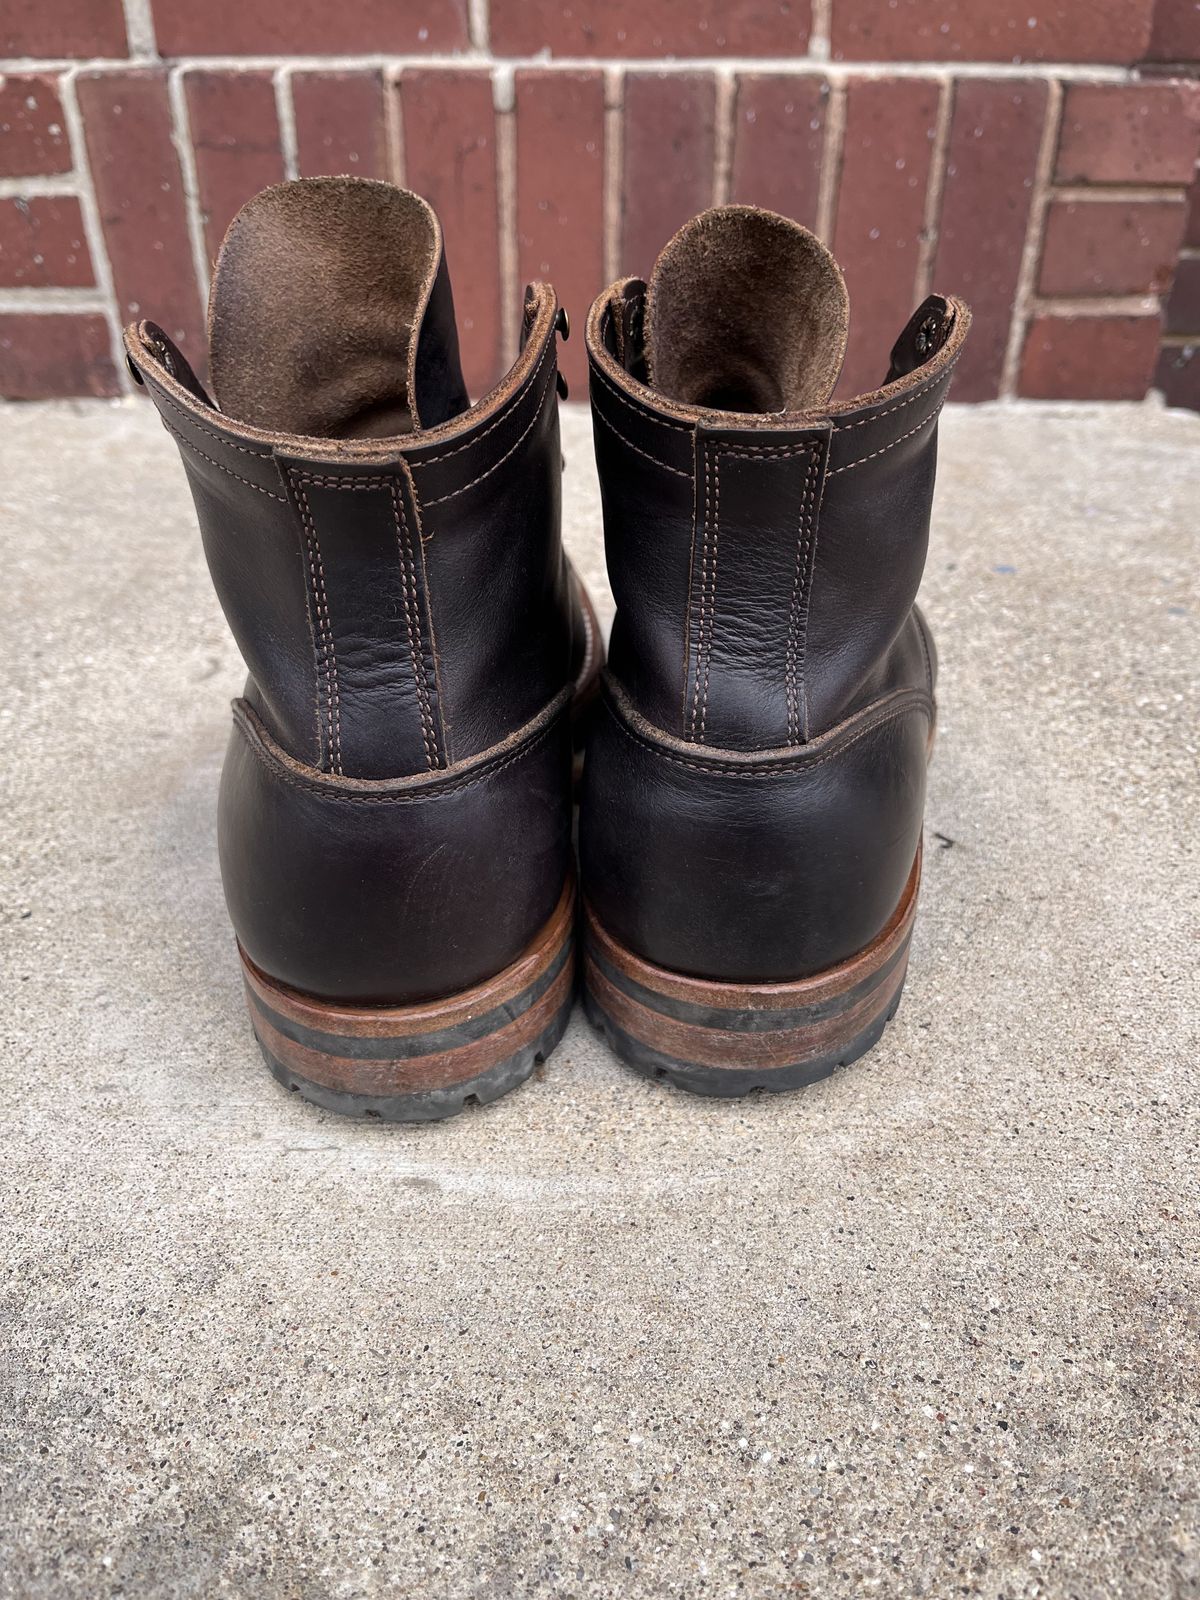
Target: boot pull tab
171 359
924 335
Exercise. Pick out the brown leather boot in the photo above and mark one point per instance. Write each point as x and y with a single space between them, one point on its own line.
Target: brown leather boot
395 814
753 794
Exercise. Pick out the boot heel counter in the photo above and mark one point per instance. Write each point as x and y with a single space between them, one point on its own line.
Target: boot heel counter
763 868
394 891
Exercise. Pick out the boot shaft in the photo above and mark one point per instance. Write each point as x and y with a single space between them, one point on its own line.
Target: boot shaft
764 563
388 560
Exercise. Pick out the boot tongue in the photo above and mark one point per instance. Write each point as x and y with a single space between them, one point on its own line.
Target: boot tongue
746 312
331 314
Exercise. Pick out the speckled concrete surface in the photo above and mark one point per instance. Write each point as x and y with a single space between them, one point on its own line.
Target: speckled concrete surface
929 1328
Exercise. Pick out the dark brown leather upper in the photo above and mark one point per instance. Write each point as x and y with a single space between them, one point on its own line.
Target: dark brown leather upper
755 784
395 812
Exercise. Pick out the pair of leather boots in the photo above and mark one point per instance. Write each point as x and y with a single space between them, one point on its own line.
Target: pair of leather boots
395 814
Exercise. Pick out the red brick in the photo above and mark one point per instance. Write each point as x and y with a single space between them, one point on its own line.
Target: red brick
235 134
1175 35
127 126
1110 246
650 27
339 124
1178 375
560 194
1126 133
1089 358
308 27
43 357
450 151
779 139
1183 308
995 134
50 28
890 127
998 30
42 244
668 159
33 130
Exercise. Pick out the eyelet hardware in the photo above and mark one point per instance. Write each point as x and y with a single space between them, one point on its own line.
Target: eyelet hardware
164 352
563 323
929 335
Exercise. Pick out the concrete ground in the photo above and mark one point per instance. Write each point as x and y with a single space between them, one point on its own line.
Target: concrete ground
929 1328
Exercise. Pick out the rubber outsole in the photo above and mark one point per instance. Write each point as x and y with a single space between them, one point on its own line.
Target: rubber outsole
434 1105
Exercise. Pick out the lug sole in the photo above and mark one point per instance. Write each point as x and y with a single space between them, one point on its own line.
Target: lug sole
426 1062
730 1039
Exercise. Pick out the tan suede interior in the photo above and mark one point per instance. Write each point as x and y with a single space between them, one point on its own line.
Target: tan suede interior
316 301
746 311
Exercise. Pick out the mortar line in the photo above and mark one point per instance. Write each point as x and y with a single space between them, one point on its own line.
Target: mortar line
724 115
504 110
479 25
285 115
1101 305
396 162
181 138
1087 194
935 192
820 35
93 226
393 127
831 163
797 66
139 31
1031 254
38 300
614 172
50 184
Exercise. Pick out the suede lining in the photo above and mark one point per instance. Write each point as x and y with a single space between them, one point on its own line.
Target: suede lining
746 311
317 301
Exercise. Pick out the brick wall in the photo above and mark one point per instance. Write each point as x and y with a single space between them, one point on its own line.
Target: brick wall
1042 163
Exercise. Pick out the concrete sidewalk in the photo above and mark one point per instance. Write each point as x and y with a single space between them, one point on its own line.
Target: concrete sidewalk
929 1327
